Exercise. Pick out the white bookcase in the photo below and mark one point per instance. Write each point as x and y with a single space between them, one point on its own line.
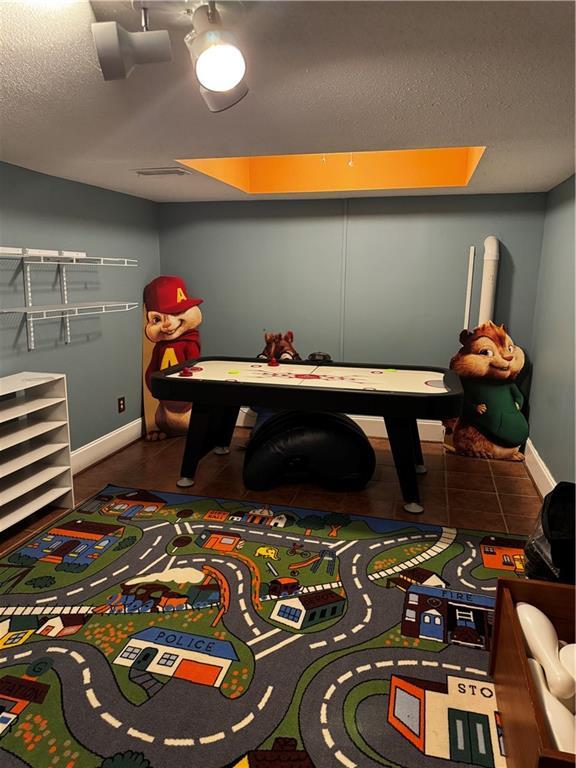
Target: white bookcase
35 469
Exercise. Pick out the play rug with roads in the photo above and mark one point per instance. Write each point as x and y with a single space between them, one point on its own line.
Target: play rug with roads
148 629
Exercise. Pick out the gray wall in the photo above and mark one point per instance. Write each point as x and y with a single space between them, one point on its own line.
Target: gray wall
552 397
103 362
273 265
373 279
364 279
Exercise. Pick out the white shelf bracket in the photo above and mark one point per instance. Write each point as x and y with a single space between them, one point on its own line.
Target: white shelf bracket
64 295
28 298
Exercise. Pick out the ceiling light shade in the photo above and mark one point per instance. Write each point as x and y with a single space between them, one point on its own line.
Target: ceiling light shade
218 102
120 51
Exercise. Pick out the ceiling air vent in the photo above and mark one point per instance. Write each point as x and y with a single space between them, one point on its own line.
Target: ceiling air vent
172 171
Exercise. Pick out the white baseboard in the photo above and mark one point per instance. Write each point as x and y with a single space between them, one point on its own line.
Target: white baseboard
373 426
538 470
103 446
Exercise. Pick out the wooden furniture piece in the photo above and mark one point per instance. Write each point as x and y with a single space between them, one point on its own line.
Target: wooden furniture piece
401 394
527 740
35 466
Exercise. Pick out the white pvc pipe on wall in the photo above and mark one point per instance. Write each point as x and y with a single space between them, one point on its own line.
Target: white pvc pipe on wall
489 277
468 301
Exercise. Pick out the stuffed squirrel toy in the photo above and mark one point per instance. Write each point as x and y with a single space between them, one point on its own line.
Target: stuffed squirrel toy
276 347
492 425
279 347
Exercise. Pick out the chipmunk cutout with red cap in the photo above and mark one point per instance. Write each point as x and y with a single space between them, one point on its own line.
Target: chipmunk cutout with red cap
172 319
492 425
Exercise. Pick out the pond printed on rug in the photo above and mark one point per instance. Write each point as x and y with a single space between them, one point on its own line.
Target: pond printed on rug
154 630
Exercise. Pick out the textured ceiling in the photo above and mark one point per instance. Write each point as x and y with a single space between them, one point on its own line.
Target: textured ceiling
323 77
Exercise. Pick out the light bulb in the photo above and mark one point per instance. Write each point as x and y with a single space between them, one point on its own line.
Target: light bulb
220 67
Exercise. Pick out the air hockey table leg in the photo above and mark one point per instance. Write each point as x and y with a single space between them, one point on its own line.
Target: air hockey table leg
198 443
417 448
401 437
224 429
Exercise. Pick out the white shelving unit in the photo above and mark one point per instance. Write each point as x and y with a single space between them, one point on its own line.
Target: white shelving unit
31 257
35 466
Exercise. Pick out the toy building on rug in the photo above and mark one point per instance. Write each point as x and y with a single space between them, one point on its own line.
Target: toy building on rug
492 425
171 336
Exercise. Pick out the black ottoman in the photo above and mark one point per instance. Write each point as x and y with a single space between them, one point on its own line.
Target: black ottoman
296 446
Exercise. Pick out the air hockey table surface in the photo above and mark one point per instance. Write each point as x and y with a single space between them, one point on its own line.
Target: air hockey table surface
401 394
362 378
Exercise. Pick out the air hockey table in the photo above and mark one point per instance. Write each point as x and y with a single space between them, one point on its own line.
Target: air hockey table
219 386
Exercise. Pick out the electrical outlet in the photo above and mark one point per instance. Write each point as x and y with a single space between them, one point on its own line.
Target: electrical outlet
121 404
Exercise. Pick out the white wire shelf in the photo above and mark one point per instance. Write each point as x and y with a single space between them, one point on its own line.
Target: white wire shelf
30 258
55 311
43 256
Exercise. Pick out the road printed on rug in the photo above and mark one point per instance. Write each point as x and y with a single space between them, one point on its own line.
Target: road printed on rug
145 628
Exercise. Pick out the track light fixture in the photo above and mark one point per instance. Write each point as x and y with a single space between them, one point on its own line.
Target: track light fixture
218 61
119 51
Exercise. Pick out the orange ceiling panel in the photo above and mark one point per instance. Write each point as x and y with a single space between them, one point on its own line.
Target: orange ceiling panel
344 171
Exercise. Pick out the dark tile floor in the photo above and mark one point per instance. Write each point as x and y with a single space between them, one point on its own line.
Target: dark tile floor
457 491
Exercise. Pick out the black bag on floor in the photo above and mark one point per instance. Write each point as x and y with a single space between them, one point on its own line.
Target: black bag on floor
297 447
549 551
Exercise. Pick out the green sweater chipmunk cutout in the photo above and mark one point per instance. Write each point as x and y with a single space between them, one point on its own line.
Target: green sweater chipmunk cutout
492 424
